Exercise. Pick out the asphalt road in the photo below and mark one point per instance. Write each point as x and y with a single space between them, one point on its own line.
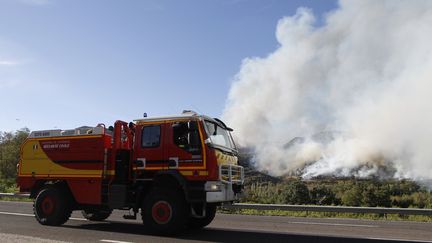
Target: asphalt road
17 224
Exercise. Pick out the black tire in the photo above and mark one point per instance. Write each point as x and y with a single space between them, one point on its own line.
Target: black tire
199 223
96 214
51 207
164 211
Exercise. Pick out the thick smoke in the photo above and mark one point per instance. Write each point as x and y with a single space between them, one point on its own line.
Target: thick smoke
355 93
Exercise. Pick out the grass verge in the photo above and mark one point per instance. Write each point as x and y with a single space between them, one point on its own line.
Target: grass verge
369 216
16 199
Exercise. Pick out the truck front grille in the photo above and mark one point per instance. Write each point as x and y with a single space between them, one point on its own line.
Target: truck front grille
231 174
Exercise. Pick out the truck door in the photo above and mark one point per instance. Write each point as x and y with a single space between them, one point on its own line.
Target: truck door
183 145
149 146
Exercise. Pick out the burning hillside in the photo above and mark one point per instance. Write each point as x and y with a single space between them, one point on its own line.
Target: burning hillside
366 71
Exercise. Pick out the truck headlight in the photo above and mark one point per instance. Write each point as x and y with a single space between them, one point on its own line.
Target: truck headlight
213 186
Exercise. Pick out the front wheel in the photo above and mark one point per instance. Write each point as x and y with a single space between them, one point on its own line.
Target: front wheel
165 211
198 223
96 214
51 207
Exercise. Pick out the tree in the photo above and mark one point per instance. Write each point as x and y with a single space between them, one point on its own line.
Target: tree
353 196
10 144
374 196
422 199
403 187
323 195
296 192
403 201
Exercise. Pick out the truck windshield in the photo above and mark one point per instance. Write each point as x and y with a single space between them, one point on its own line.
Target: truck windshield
219 136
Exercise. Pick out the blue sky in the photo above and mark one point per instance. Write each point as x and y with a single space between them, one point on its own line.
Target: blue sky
68 63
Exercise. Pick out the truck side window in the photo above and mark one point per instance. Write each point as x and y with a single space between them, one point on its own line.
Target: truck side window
150 137
186 137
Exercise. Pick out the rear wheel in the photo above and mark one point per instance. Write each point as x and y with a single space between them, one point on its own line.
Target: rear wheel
165 211
198 223
96 214
51 207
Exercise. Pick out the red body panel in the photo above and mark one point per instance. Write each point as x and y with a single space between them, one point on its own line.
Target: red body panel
25 184
83 154
86 191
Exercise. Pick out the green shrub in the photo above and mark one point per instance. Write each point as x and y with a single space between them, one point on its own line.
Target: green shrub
296 192
7 185
10 144
375 195
353 196
422 199
403 201
323 195
371 193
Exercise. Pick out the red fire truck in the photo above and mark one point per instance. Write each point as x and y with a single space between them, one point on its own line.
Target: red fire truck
175 170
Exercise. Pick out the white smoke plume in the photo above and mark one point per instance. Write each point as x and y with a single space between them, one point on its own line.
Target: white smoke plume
363 78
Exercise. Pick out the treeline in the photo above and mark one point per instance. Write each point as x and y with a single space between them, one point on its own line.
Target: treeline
347 192
10 143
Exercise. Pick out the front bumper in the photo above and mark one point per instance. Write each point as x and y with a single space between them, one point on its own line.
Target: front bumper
229 187
225 194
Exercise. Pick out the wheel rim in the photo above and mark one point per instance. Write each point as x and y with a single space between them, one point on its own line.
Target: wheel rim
47 205
161 212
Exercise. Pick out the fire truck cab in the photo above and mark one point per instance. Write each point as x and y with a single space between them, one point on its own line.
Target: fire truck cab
175 170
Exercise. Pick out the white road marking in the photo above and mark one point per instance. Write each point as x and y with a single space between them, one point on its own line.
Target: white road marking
116 241
18 214
80 219
32 215
334 224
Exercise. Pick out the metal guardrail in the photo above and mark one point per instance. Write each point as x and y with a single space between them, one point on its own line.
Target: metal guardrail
334 209
303 208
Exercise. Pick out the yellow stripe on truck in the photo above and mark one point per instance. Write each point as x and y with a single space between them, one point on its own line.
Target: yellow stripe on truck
223 159
35 162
